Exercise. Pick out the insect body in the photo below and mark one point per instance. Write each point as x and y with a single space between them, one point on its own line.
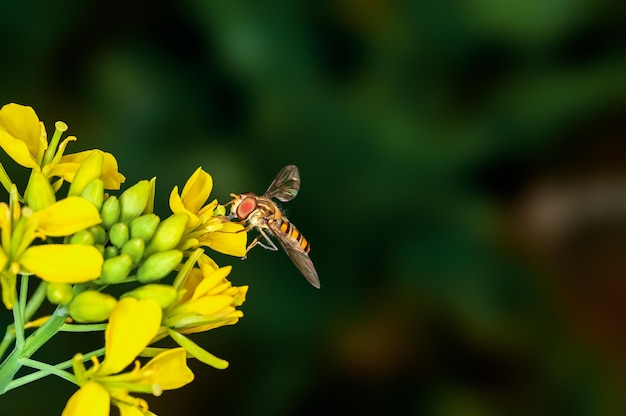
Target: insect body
262 213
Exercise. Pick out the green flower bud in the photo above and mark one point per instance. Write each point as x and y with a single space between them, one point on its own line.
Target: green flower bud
84 238
134 248
91 306
90 169
94 192
219 211
39 193
110 211
59 293
159 265
99 234
149 209
134 200
110 251
164 294
100 248
115 269
119 234
144 227
168 234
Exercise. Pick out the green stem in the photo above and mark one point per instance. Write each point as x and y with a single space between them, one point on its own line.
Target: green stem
7 340
44 370
83 327
4 179
86 357
19 382
47 369
13 362
31 307
37 339
35 301
18 313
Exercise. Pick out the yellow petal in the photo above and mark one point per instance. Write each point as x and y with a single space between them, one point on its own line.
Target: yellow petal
207 264
230 239
132 325
66 217
197 190
4 259
211 305
92 399
63 263
22 123
40 321
211 280
17 150
230 319
168 369
177 207
7 285
189 284
129 410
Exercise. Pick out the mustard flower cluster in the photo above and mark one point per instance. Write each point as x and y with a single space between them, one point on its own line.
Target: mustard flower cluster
75 241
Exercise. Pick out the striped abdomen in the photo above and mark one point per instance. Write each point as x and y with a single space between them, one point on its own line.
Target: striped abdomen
290 230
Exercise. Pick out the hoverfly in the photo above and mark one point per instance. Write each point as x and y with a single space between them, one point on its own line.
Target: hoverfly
262 213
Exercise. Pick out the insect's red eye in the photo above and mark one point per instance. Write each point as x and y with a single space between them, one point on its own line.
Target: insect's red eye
246 206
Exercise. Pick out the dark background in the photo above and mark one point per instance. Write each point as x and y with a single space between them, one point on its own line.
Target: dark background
463 188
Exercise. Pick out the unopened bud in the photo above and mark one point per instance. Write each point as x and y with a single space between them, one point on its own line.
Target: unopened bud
84 238
91 306
110 211
134 200
134 248
159 265
99 234
90 169
110 251
165 295
168 234
94 192
119 234
144 227
100 248
115 269
59 293
39 193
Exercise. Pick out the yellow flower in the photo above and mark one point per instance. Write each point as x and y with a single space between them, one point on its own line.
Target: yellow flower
62 263
204 228
207 300
23 137
132 325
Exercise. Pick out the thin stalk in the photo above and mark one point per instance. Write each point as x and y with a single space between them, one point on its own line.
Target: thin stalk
44 371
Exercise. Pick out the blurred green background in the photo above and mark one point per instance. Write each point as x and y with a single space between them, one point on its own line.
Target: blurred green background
463 188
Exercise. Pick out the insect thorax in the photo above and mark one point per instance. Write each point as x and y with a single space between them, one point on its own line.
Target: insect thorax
265 212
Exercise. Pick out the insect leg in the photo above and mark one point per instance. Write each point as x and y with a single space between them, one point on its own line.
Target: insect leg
268 246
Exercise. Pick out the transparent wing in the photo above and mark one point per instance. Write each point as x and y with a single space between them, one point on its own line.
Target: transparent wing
298 256
285 185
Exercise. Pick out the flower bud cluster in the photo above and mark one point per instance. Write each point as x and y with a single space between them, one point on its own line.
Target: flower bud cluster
135 244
